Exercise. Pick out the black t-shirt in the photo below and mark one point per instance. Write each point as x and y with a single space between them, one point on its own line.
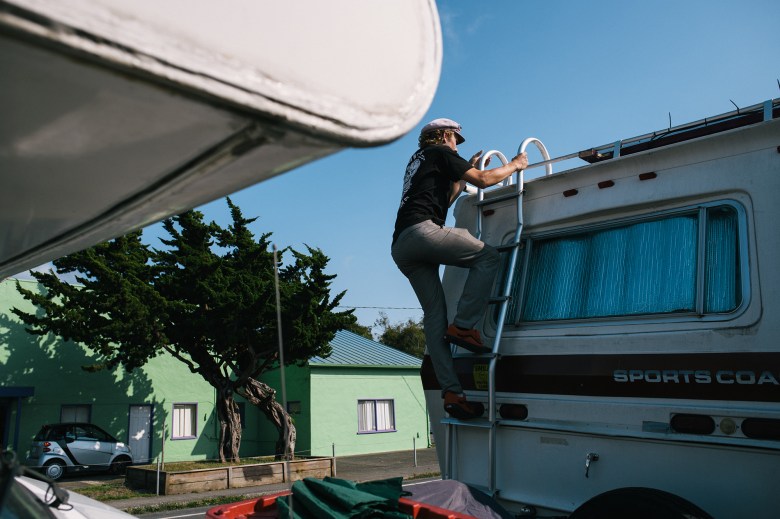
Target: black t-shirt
427 183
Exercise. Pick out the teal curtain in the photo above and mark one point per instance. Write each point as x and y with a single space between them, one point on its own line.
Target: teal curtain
648 267
722 266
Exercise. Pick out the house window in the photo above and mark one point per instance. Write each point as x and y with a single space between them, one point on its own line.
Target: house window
686 262
376 416
75 413
184 416
294 407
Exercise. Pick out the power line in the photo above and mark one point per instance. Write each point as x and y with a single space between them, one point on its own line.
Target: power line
383 307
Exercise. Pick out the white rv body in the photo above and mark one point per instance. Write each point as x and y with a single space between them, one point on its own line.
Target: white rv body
685 401
117 114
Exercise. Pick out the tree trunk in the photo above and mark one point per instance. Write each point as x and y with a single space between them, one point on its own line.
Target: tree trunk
229 424
263 397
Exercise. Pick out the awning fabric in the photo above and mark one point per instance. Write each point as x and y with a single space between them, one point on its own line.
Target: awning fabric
343 499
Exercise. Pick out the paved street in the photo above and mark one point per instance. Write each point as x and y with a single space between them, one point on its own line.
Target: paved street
366 467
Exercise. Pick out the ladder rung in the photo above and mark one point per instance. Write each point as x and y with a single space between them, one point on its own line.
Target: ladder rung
496 199
508 246
471 354
479 423
482 488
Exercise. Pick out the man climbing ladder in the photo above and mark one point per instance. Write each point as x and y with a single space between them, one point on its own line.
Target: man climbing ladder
435 177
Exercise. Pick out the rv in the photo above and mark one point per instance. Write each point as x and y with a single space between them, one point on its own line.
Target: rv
635 364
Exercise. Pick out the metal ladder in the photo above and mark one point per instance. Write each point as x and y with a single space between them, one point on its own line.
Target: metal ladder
502 299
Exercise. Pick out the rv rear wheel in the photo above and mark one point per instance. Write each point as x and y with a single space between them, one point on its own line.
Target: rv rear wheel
638 503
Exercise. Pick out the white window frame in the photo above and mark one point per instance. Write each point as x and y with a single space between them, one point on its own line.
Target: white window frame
184 421
743 272
376 415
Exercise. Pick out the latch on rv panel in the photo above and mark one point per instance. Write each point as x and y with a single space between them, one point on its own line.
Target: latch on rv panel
591 457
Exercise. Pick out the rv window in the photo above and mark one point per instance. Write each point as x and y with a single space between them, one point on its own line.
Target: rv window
722 261
650 266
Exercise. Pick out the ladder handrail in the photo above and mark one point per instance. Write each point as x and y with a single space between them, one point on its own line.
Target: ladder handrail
504 296
487 156
542 150
547 163
481 192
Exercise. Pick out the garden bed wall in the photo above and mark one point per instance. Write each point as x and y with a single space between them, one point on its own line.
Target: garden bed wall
238 476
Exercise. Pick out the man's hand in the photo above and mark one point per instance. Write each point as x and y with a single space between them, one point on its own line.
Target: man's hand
520 161
475 159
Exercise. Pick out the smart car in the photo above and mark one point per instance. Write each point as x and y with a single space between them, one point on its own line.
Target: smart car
67 447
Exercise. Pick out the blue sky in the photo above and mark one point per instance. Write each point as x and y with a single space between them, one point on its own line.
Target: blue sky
573 74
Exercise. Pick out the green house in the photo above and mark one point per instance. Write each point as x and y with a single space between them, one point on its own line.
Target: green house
365 397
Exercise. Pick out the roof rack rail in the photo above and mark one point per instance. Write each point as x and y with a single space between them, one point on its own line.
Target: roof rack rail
753 114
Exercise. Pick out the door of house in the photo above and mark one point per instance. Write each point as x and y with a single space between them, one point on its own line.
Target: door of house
5 412
140 432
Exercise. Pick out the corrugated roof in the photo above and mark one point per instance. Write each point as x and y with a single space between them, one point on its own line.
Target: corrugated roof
350 349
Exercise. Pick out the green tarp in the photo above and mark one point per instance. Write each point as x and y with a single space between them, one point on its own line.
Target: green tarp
343 499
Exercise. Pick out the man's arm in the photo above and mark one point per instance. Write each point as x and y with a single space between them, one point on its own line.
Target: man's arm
491 177
455 190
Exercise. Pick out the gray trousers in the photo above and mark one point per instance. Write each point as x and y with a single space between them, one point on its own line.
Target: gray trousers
418 252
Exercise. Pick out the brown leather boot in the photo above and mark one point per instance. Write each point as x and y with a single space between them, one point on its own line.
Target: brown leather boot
458 407
468 339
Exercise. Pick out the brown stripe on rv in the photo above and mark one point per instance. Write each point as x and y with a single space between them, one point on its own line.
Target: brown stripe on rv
704 376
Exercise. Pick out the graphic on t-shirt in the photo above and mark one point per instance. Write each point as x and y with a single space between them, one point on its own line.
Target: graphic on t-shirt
411 169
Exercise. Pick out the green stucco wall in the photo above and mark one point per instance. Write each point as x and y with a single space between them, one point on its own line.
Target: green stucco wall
298 388
329 397
334 408
53 368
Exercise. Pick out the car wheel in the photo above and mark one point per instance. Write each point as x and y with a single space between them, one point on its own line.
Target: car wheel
54 469
118 466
